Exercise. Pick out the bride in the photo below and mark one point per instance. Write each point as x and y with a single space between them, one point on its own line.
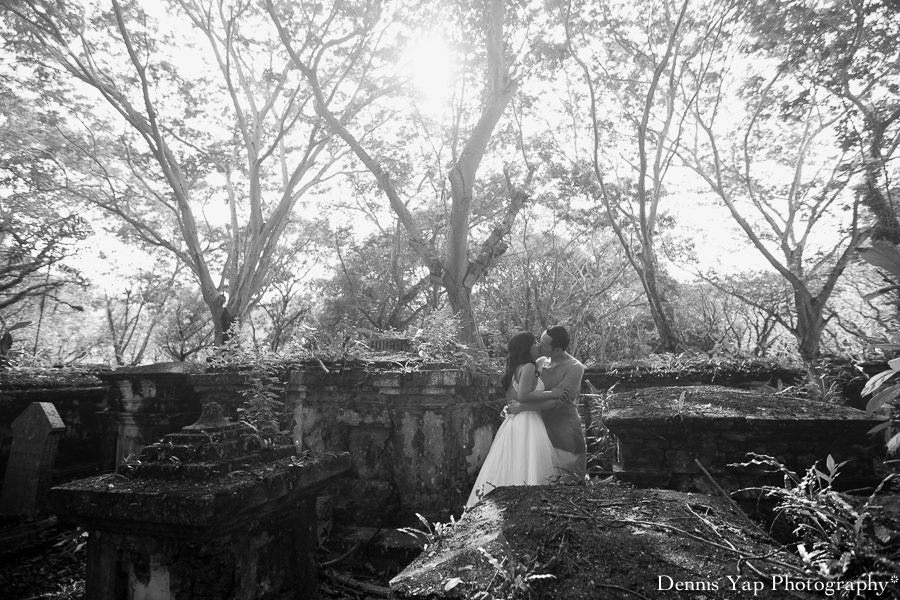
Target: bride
521 453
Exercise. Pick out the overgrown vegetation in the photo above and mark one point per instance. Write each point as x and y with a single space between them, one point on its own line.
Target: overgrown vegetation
839 537
432 534
601 444
31 374
886 402
514 577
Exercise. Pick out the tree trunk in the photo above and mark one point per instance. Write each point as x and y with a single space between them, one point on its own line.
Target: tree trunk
460 298
809 326
215 302
662 317
809 335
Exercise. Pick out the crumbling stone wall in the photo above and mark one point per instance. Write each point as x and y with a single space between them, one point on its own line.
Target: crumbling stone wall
416 439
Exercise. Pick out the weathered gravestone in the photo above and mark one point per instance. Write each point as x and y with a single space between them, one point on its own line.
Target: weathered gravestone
36 433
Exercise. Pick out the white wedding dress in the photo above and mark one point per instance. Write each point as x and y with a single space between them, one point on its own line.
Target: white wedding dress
521 454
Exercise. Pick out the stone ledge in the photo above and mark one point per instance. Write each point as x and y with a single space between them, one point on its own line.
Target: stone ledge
721 404
697 371
195 507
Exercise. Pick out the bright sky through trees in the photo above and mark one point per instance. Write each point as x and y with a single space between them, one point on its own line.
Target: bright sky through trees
229 134
432 66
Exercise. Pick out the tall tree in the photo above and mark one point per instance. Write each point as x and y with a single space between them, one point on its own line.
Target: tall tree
39 227
233 134
784 182
848 50
634 61
357 35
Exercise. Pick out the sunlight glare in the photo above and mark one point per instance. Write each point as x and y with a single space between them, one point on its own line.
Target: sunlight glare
431 64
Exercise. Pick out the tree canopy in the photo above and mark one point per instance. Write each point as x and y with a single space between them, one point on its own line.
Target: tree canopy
362 167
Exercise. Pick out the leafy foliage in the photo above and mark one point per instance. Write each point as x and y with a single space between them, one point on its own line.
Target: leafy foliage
886 396
436 339
886 257
378 285
263 409
432 534
848 50
838 537
514 578
39 227
601 443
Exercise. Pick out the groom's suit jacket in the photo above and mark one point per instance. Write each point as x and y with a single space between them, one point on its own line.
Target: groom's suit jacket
562 421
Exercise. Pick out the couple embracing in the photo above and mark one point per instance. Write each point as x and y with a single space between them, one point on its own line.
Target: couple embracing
541 439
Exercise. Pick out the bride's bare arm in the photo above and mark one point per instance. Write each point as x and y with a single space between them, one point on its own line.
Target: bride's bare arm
528 398
515 408
527 381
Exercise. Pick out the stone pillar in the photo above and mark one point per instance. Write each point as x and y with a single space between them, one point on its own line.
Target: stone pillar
36 433
148 402
295 396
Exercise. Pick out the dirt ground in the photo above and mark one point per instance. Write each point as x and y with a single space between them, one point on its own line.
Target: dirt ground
49 564
52 567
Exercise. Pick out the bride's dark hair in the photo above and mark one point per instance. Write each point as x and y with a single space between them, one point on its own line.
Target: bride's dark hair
519 347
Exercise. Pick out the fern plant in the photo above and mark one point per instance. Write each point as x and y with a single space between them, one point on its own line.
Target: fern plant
432 534
263 408
513 577
838 538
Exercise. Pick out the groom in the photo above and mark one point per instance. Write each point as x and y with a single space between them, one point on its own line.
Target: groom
563 372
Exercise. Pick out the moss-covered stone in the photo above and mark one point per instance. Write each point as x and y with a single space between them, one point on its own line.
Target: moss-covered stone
662 431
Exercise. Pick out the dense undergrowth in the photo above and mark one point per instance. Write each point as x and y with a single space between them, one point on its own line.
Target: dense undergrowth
838 536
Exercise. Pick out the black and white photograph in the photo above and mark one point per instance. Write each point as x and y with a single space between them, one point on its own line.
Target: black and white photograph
449 299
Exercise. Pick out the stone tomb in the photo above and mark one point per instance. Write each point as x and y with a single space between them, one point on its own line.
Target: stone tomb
36 433
661 435
207 513
601 541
